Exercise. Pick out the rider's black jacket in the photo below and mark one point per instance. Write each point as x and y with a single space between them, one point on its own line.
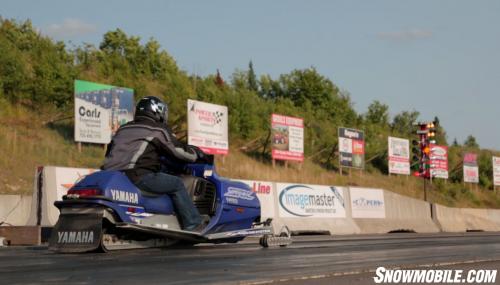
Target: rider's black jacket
137 147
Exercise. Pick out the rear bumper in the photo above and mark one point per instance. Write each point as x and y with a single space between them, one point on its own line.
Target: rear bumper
93 203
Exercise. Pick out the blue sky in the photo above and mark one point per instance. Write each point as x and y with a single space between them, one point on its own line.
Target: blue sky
437 57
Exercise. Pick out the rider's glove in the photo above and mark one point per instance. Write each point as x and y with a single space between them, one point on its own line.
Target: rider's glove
199 153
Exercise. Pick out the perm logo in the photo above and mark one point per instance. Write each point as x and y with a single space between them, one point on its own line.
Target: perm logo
81 237
124 196
370 203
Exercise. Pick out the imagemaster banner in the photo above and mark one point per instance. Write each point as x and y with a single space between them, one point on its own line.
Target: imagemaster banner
351 148
100 110
310 201
287 135
399 156
207 127
367 203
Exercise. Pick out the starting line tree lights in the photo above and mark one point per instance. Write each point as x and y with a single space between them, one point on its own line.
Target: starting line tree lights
429 159
421 161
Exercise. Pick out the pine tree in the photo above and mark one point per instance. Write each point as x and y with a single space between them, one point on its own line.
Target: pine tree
252 79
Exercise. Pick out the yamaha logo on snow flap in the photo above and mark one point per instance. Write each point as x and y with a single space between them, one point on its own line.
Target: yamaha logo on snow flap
124 196
83 237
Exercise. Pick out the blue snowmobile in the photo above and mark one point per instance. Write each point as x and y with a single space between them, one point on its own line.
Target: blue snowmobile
106 211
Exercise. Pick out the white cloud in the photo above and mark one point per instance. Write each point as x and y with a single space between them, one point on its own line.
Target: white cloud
70 28
405 35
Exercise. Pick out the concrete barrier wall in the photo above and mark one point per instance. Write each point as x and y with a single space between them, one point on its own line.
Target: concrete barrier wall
401 214
15 209
466 219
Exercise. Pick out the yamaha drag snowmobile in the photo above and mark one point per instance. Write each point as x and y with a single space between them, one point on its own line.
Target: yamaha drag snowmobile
106 211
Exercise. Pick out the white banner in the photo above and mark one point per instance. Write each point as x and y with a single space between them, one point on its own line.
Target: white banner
496 171
471 174
310 201
287 137
66 177
100 110
265 194
399 156
208 127
367 203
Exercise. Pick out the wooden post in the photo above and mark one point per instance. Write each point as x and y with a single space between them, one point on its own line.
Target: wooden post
340 170
274 163
14 142
286 164
79 146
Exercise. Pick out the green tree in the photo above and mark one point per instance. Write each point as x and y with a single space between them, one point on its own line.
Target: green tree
378 114
252 78
403 123
471 143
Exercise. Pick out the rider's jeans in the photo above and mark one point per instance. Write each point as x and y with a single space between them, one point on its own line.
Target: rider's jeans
163 183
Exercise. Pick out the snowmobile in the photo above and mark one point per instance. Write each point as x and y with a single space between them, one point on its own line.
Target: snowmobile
105 211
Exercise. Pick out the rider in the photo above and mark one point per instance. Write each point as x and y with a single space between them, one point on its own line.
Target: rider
136 149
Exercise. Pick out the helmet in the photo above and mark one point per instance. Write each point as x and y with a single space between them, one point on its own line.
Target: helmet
152 107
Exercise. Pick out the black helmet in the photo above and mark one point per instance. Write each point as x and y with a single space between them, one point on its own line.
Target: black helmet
152 107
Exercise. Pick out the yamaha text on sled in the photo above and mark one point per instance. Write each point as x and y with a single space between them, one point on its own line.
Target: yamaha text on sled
105 211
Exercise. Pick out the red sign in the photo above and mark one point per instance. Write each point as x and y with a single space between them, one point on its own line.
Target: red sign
358 147
439 161
470 159
287 138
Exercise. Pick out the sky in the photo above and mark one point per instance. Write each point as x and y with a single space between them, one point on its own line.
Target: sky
441 58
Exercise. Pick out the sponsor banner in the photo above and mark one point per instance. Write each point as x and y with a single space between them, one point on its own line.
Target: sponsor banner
287 137
496 171
208 127
351 148
367 203
471 170
439 161
470 159
100 110
265 194
399 156
471 174
310 201
67 177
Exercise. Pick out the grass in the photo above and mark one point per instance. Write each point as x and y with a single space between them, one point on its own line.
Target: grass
27 142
